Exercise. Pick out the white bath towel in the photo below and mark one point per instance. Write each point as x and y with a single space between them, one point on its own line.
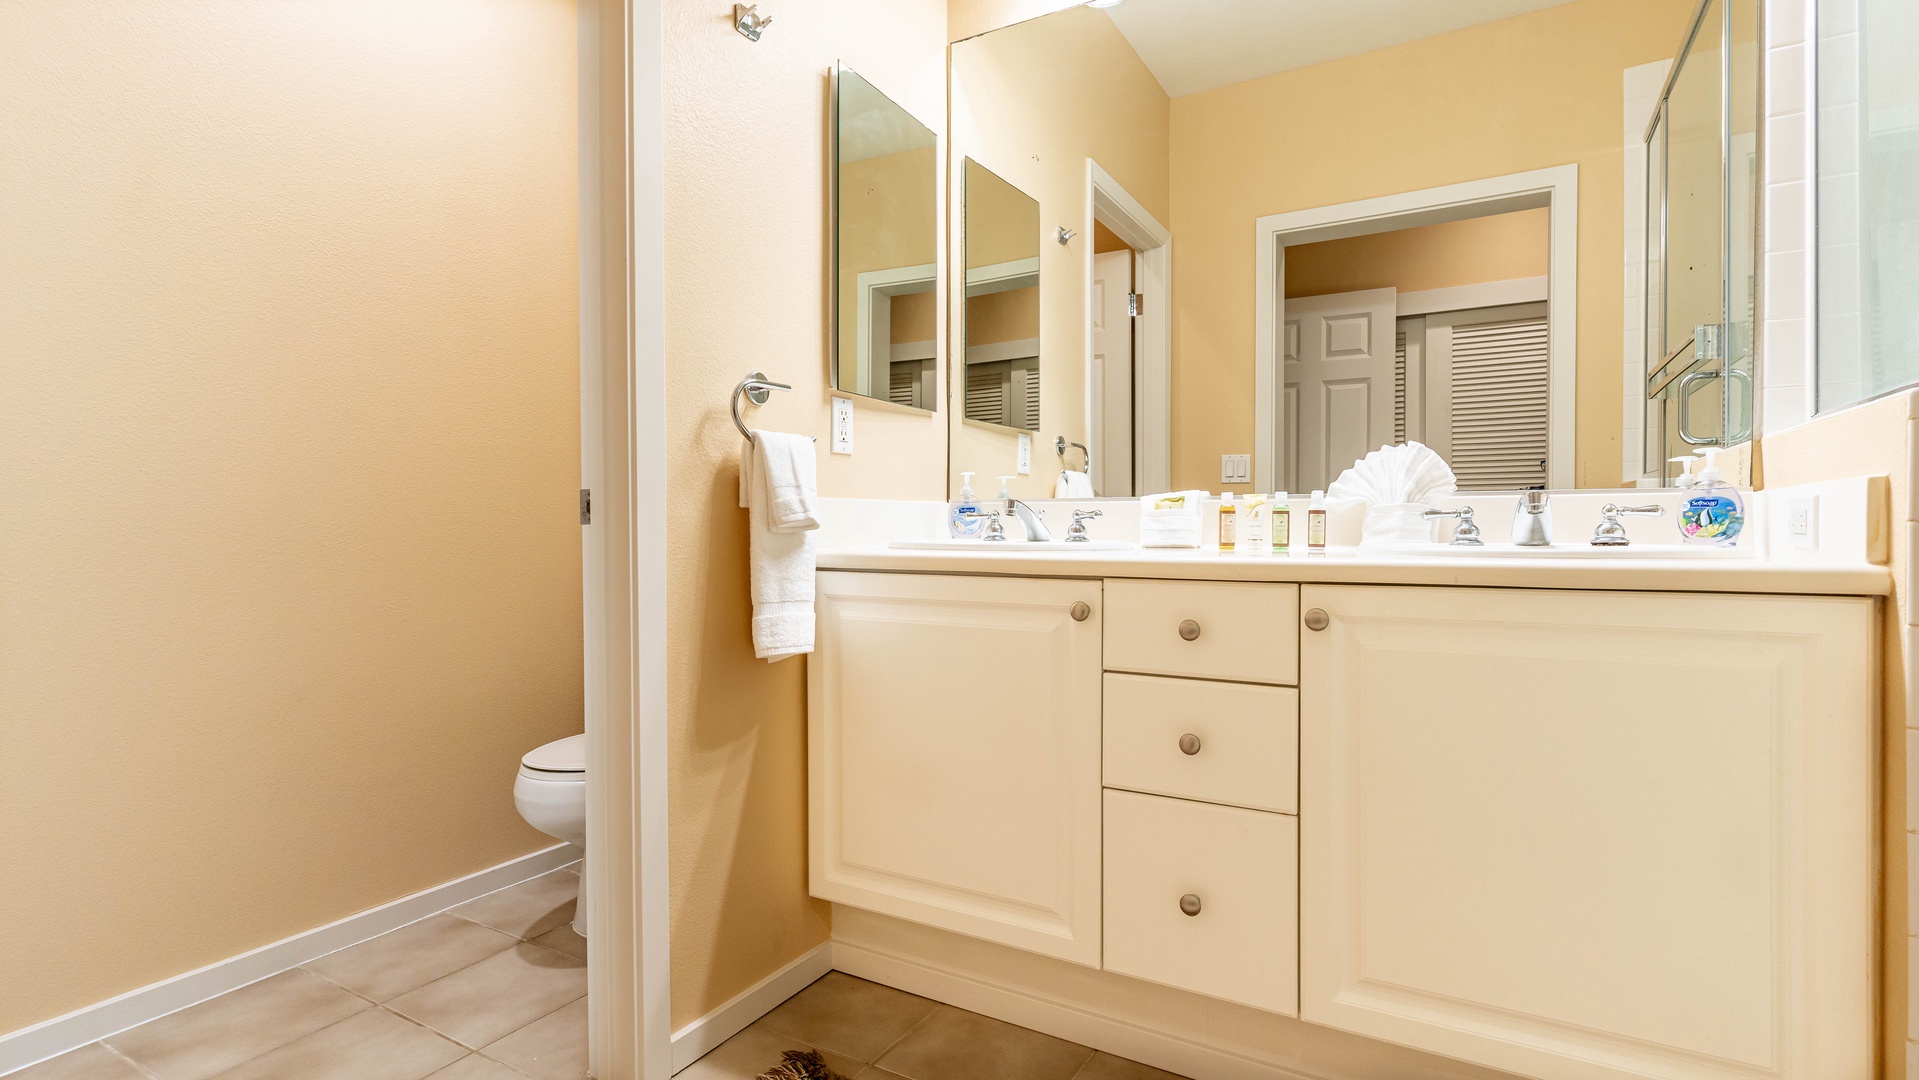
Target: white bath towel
1073 485
777 489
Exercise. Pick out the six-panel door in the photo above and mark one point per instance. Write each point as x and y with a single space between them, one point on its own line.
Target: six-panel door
954 755
1591 835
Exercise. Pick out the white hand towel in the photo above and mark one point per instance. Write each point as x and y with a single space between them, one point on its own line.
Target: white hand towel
1073 485
776 478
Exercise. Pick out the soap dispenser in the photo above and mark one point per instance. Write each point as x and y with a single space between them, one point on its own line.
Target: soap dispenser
1713 512
963 516
1685 481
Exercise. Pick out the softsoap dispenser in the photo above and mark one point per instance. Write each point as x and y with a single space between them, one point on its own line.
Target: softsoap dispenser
1685 481
963 516
1713 513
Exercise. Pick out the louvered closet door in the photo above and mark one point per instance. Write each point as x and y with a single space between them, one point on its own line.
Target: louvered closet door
1489 377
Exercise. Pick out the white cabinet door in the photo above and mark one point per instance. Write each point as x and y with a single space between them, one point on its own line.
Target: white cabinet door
1591 835
954 755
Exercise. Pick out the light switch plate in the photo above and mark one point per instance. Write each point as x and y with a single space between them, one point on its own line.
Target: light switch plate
1236 468
842 425
1026 455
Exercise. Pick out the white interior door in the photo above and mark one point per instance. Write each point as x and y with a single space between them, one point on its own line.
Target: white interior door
1112 389
1339 392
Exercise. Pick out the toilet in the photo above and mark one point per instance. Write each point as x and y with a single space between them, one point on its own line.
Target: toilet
550 793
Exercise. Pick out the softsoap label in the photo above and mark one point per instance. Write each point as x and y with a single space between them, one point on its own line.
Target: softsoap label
1711 518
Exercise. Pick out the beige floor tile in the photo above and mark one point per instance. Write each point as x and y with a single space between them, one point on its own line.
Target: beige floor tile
839 1063
752 1052
550 1048
216 1035
91 1062
566 940
874 1072
953 1044
528 909
849 1016
412 956
1105 1066
475 1067
497 996
375 1045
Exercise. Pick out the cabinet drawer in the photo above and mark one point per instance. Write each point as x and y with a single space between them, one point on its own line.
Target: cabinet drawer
1244 632
1245 740
1238 868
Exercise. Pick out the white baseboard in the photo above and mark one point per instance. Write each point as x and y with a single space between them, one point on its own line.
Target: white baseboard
54 1037
691 1042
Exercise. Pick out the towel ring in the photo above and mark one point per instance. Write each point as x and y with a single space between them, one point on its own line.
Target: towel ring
1061 446
756 388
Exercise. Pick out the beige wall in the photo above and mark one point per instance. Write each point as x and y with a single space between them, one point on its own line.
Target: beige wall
1032 103
1876 439
1524 93
746 128
289 449
1497 248
967 18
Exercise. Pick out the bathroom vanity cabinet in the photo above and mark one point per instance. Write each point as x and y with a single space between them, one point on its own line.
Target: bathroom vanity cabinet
1564 833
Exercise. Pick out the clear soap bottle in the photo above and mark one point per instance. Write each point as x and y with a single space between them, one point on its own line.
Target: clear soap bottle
963 519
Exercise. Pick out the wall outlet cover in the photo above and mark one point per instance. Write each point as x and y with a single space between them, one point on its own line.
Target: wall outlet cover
842 425
1236 468
1802 521
1025 455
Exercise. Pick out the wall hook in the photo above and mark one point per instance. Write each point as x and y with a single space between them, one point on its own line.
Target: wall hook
1064 235
749 22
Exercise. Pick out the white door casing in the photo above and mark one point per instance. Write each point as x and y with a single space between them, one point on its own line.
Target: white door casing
1339 367
1108 203
953 753
1112 384
1593 835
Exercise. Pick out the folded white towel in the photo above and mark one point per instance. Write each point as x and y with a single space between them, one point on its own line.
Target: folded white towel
1073 485
778 491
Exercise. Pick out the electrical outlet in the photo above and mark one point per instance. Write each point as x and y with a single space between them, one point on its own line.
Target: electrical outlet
1026 455
1236 468
842 425
1802 521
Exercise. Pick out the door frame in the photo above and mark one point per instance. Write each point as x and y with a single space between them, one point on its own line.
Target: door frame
623 462
873 319
1110 204
1556 188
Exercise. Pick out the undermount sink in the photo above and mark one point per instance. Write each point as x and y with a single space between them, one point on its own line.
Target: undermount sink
1012 547
1579 551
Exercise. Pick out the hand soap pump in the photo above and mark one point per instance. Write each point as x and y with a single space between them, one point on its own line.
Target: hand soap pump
1713 512
963 516
1685 481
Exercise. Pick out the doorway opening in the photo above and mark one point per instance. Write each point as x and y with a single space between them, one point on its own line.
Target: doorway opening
1129 341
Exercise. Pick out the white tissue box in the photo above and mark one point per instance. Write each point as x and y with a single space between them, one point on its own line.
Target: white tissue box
1177 528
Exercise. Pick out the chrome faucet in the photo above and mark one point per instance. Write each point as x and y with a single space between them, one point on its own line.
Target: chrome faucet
1029 519
1533 520
1077 534
1466 532
1611 531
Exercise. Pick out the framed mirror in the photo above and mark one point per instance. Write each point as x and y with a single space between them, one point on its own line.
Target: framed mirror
1303 232
999 380
885 248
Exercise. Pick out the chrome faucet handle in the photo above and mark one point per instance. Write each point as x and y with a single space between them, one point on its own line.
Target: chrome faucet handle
1612 531
1466 533
1076 533
995 528
1533 520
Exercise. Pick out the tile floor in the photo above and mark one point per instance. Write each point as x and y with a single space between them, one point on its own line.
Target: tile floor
866 1031
494 989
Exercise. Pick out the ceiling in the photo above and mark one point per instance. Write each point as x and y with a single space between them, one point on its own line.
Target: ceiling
1194 45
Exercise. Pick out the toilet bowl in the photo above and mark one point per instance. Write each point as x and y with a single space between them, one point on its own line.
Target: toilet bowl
550 793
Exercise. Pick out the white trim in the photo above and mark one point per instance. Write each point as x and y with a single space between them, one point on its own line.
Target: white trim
874 321
1556 188
1109 203
915 350
1002 277
995 351
61 1034
1466 297
696 1039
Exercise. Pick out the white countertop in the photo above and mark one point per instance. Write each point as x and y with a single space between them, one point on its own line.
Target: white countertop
1350 566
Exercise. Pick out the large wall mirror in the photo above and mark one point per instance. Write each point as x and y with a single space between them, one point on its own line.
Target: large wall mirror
1301 232
886 248
999 381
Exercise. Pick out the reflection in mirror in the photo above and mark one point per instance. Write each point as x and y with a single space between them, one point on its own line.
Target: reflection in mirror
886 214
1395 221
1002 302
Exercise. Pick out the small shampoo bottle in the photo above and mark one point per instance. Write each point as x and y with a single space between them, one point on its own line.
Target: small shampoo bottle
1255 533
1282 524
1228 522
1316 524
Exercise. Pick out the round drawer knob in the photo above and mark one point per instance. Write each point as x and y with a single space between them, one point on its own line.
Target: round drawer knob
1189 904
1082 611
1189 630
1317 619
1189 744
